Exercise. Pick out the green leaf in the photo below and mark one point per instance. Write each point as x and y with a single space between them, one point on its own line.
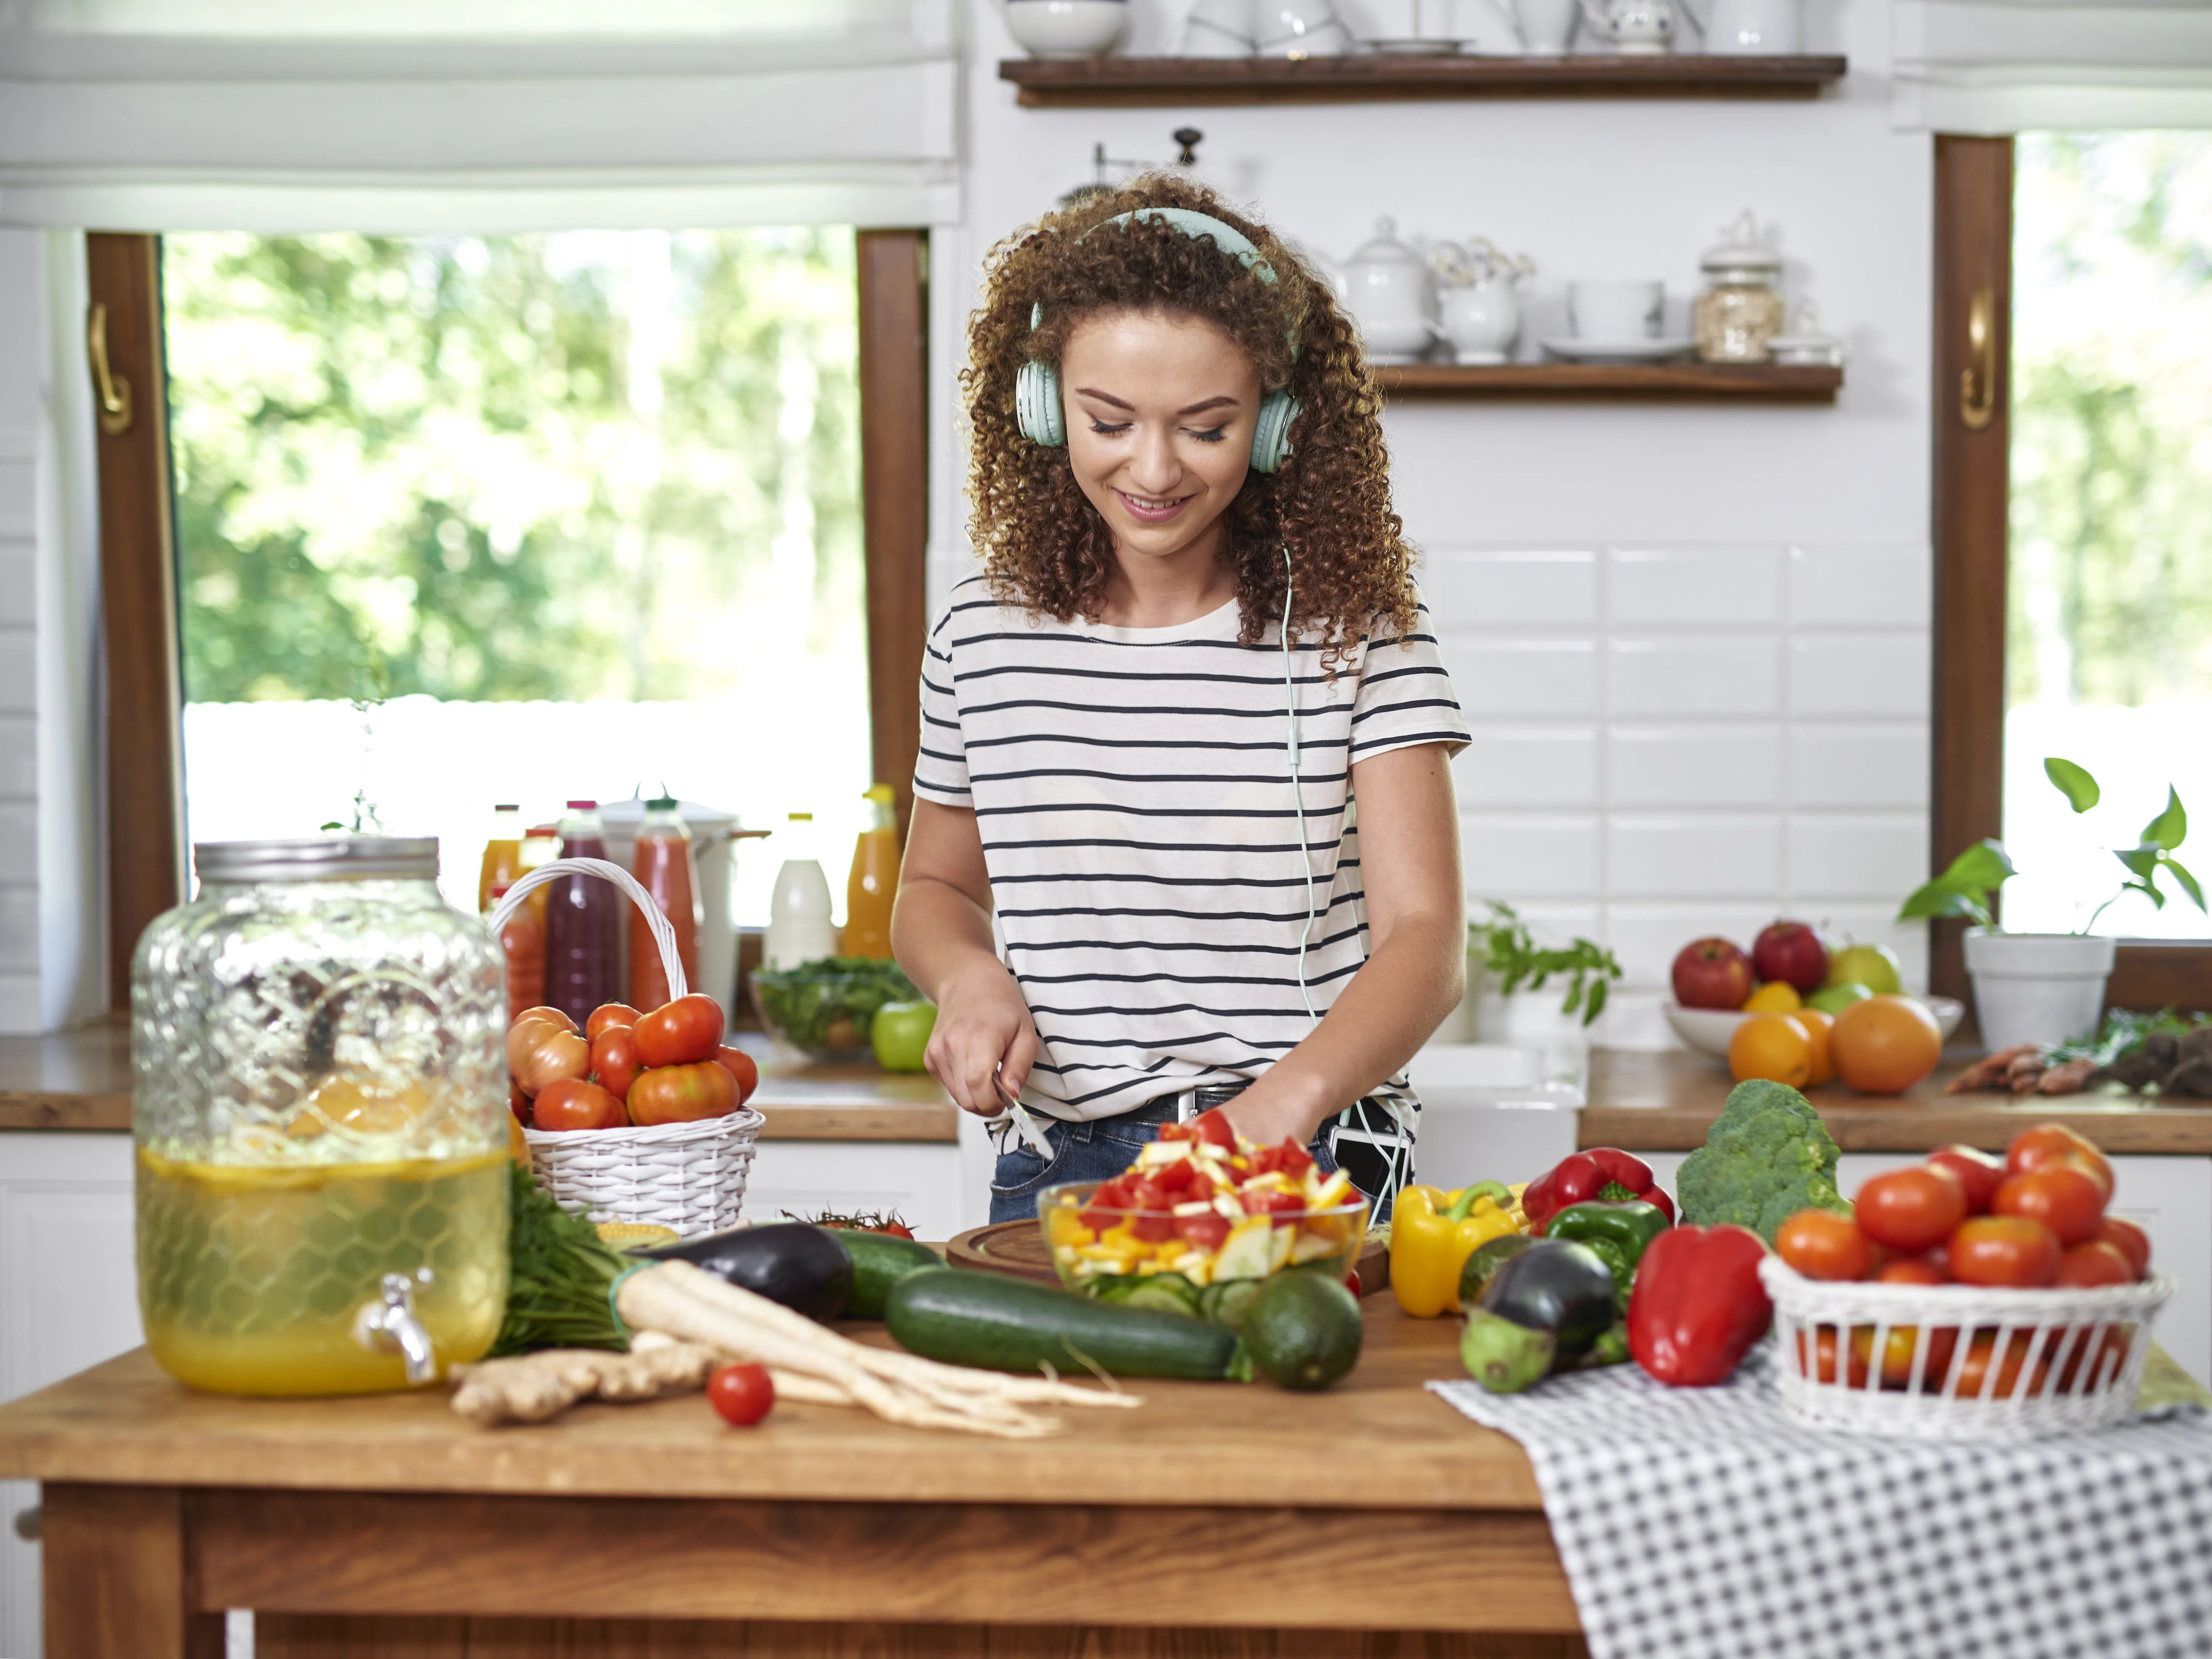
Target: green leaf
2170 828
1981 866
1937 900
2074 782
2188 881
1597 994
2142 861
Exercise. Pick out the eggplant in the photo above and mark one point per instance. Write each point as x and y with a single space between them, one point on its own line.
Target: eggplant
801 1266
1541 1312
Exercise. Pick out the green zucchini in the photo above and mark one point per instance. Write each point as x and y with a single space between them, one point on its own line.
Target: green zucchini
879 1262
1006 1324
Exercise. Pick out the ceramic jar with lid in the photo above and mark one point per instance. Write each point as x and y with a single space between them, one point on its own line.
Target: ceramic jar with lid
1480 312
1742 308
1386 287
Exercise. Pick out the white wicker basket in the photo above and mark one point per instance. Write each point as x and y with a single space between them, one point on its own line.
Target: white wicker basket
2080 1355
689 1176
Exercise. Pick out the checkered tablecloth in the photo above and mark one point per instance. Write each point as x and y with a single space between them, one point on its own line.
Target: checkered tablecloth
1703 1523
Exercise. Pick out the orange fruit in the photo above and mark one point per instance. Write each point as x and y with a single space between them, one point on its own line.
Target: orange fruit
1819 1027
1773 1047
1884 1045
1777 996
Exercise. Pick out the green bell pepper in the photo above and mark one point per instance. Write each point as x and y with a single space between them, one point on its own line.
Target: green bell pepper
1618 1232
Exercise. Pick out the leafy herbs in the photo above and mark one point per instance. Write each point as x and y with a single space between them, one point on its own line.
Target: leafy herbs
828 1005
559 1273
1510 951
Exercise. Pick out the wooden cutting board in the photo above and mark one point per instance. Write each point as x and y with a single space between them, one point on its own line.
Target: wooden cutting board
1018 1247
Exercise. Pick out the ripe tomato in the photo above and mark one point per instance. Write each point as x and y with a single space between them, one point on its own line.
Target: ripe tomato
2130 1240
2060 1193
573 1104
1978 1172
1897 1354
2103 1351
1214 1129
1206 1230
1883 1045
551 1015
740 1066
682 1094
517 1102
539 1052
1915 1270
2093 1263
680 1033
1821 1244
614 1060
741 1394
609 1013
1974 1372
1912 1210
2048 1142
1820 1363
2004 1249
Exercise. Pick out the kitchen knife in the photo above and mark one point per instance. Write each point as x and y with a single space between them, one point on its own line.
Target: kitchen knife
1024 1125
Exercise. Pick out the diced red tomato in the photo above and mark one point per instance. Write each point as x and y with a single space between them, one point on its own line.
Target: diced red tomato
1215 1129
1265 1202
1178 1132
1152 1229
1205 1231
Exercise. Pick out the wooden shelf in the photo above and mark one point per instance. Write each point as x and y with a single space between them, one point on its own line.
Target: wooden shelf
1682 382
1184 82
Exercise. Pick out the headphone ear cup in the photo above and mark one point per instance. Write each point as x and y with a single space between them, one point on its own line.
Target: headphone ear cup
1037 403
1271 435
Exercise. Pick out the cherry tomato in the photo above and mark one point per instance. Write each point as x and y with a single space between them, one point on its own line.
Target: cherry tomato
1912 1210
2048 1142
2093 1263
614 1060
573 1104
682 1094
741 1394
896 1230
539 1052
2060 1195
1974 1371
1822 1244
1352 1283
741 1066
1978 1172
1897 1354
1914 1270
2130 1240
2004 1249
1820 1364
680 1033
551 1015
609 1013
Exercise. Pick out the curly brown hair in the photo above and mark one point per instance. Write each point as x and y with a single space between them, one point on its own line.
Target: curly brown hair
1046 547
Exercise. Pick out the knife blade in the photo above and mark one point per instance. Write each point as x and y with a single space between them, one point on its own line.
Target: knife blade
1024 1125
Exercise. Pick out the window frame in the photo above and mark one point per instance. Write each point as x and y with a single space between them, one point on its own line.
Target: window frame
143 715
1970 514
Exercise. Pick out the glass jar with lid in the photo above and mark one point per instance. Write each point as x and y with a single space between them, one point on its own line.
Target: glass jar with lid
320 1117
1740 309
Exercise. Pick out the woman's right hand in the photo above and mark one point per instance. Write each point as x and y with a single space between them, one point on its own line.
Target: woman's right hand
983 1025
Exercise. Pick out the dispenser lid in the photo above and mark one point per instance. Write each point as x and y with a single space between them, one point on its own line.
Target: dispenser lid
317 857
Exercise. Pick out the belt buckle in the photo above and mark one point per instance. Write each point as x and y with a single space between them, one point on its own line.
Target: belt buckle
1186 1105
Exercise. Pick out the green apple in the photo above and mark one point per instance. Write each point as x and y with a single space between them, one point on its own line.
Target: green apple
900 1034
1834 998
1873 966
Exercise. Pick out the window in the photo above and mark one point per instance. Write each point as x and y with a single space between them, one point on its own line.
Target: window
463 519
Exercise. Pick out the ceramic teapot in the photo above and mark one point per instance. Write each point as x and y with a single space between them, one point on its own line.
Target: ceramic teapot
1643 27
1386 287
1476 298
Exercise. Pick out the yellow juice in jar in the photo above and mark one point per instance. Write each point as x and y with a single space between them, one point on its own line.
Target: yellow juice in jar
251 1276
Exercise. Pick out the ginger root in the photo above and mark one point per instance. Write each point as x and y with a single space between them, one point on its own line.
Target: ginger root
533 1387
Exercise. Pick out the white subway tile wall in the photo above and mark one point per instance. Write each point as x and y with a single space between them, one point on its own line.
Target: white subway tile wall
1740 733
18 735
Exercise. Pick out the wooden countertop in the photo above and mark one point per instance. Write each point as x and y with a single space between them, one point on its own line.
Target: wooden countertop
126 1422
1665 1101
79 1079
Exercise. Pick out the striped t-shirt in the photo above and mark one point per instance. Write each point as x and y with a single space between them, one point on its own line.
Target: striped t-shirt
1132 790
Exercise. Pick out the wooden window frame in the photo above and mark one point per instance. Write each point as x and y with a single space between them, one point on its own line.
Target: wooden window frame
1973 230
145 689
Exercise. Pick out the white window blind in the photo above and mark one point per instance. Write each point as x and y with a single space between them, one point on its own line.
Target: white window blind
489 116
2000 66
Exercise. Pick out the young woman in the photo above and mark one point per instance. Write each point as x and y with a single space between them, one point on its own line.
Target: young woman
1194 643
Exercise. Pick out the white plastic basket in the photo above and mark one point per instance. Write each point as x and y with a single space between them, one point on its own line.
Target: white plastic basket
2080 1355
689 1176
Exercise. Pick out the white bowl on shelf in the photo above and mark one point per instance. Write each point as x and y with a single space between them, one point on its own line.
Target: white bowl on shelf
1708 1030
1067 29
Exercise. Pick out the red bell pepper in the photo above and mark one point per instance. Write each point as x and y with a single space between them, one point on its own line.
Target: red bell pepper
1588 1175
1699 1305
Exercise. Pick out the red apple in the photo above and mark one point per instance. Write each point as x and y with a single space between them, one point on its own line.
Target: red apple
1711 973
1792 951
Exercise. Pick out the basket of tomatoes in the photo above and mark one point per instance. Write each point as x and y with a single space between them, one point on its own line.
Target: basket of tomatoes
640 1116
1968 1297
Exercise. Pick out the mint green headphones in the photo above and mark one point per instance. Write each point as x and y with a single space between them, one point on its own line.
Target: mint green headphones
1038 407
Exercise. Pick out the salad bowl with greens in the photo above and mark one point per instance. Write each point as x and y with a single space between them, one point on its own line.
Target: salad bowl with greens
824 1008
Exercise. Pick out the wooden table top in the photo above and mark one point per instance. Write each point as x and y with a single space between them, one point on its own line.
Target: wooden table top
1376 1440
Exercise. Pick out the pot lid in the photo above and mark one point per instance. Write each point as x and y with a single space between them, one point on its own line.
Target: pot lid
621 817
1384 248
1742 253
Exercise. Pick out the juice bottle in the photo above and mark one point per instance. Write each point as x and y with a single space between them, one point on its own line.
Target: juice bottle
874 881
583 920
541 844
502 854
799 928
662 865
523 940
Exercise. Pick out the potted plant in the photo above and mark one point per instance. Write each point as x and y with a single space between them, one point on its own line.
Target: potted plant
1507 970
2048 988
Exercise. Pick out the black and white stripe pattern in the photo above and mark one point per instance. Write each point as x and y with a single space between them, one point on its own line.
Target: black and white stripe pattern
1132 788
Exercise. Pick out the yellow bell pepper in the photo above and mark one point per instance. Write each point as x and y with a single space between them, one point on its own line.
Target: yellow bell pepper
1433 1233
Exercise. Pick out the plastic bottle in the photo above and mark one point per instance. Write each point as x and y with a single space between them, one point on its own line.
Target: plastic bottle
541 844
583 919
873 884
523 940
503 857
799 929
662 864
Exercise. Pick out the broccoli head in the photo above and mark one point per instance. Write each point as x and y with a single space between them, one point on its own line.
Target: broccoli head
1767 1157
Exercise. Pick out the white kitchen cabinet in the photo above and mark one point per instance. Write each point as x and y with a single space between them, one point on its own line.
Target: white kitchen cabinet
921 1180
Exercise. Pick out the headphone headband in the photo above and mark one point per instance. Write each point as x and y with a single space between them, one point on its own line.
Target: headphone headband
1201 226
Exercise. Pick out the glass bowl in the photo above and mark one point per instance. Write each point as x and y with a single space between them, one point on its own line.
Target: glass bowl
824 1009
1160 1258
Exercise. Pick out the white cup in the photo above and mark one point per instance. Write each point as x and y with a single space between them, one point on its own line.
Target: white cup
1616 310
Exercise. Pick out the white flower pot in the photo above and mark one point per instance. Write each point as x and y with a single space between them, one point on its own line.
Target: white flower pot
2037 987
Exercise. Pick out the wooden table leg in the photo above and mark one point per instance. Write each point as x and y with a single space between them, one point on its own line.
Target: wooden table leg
119 1578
